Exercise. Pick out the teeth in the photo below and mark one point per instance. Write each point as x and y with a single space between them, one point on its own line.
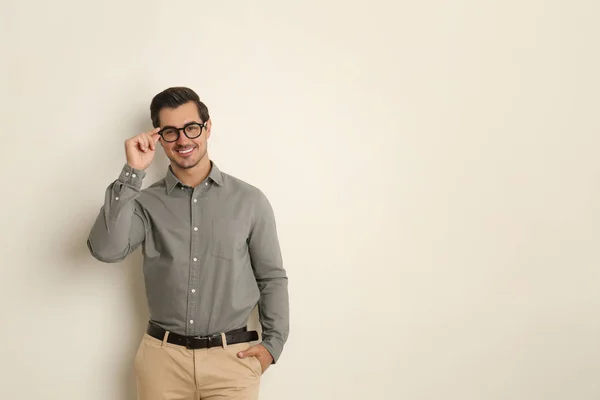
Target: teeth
185 151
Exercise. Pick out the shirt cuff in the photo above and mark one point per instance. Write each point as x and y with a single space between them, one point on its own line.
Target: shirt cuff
274 347
132 177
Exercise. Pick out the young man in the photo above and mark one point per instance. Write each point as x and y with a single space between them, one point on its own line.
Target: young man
211 253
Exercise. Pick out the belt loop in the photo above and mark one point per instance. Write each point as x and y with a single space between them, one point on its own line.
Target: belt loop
165 339
224 340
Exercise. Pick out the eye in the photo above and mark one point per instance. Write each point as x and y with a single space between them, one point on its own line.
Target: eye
169 133
194 128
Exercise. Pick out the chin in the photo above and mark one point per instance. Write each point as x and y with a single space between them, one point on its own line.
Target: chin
186 164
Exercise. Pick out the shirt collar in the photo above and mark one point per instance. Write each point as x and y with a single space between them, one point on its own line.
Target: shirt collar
171 179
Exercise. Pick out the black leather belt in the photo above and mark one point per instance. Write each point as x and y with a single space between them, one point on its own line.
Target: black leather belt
202 342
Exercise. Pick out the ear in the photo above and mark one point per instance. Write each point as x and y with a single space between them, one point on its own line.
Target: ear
208 127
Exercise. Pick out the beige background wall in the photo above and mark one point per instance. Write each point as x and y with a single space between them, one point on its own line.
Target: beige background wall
433 167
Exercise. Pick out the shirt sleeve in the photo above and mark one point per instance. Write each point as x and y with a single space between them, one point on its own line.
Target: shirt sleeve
119 227
267 263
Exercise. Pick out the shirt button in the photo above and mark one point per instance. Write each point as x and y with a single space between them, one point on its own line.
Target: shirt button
191 321
116 198
133 176
193 290
205 183
195 259
126 173
195 200
195 228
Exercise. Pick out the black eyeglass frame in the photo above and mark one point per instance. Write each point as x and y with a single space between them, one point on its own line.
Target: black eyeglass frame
201 125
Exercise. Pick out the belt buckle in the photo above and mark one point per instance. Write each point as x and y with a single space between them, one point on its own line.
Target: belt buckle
209 341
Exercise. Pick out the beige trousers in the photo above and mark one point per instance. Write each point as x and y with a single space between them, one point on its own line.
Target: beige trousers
166 371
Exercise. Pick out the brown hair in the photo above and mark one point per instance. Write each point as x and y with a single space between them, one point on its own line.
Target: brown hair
174 97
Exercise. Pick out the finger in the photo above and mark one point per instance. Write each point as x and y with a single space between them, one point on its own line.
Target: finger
150 141
147 142
154 138
152 132
252 351
140 142
143 141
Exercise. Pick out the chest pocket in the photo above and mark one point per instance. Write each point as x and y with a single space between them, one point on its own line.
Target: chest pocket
228 238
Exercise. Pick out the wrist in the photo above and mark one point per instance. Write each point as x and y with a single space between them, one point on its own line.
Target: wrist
136 166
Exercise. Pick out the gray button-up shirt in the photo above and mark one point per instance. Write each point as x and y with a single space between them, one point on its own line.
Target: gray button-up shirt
211 253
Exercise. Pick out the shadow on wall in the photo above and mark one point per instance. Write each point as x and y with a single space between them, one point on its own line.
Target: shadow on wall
133 310
137 301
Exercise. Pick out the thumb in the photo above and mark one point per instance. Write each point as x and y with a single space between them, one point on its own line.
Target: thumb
247 353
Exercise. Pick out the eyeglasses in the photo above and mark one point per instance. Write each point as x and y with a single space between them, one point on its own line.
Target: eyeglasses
192 130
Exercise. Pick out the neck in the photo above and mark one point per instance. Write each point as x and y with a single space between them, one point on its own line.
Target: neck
193 176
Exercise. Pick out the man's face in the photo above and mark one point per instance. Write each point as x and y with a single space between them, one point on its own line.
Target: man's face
179 151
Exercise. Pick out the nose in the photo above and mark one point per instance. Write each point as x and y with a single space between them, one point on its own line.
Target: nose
182 140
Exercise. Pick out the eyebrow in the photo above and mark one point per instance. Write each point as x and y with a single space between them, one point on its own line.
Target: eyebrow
187 123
